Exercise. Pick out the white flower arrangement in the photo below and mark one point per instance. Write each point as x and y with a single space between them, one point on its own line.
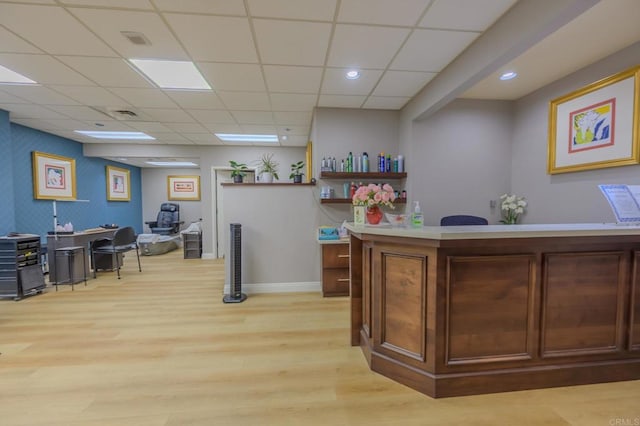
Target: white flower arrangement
512 207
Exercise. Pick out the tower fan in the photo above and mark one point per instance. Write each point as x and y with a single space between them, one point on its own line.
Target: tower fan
235 266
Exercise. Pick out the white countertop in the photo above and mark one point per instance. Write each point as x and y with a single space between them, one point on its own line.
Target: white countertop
498 231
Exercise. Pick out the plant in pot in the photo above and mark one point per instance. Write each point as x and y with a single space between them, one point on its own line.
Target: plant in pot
239 171
268 168
296 172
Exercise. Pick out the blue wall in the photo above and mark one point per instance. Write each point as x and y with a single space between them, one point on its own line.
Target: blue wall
7 213
36 216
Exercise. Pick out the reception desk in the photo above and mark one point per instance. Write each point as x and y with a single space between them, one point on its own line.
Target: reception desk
467 310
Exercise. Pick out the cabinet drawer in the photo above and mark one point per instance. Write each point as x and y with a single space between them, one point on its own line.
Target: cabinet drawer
335 282
335 256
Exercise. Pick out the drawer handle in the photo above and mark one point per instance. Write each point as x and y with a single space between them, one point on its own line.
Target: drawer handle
344 255
342 279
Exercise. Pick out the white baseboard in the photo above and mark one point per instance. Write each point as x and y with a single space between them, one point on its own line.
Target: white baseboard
295 287
208 256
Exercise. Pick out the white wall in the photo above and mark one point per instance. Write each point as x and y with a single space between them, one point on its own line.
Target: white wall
461 159
567 197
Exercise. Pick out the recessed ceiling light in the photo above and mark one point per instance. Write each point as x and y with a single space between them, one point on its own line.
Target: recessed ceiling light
232 137
172 74
284 137
115 135
352 75
172 163
508 75
11 77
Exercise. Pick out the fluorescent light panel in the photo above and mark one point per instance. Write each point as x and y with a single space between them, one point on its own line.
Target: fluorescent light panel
232 137
11 77
171 163
172 74
115 135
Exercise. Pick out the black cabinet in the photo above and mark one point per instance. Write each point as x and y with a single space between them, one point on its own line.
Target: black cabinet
20 269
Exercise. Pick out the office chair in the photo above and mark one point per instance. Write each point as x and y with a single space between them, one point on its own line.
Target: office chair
168 220
462 219
123 240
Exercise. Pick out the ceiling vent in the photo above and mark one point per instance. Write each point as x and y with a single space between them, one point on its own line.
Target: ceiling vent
136 38
122 113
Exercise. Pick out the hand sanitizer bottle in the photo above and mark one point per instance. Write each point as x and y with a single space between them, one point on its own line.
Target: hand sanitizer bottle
417 220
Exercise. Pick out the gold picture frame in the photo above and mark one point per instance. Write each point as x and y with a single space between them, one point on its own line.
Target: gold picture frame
54 176
597 126
118 184
183 188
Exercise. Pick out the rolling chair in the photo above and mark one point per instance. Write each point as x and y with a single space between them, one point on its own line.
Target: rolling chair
123 240
462 219
168 220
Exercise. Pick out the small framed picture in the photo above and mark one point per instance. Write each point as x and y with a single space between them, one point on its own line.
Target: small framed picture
118 182
185 188
54 177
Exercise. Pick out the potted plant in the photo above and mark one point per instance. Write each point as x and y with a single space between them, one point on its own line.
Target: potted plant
268 168
239 171
296 172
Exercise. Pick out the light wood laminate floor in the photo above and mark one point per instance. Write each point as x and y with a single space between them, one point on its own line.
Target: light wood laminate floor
159 348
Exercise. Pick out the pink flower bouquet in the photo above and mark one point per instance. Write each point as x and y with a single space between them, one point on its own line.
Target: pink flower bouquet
374 195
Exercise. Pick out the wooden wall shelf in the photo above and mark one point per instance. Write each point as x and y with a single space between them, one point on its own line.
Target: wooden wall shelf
267 184
348 201
360 175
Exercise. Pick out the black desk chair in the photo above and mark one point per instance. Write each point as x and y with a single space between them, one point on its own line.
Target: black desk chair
462 219
123 240
168 220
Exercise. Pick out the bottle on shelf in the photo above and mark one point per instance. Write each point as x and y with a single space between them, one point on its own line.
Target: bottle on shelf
350 162
381 161
365 162
387 164
342 169
400 163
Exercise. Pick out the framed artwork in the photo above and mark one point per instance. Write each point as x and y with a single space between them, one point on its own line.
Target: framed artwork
597 126
54 177
185 188
309 158
118 184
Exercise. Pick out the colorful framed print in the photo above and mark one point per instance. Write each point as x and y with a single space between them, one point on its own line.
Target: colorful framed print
118 184
186 188
54 177
597 126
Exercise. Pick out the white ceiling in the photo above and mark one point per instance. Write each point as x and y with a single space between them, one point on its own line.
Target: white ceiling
270 62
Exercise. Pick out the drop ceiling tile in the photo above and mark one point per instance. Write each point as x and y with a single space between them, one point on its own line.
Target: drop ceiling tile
108 24
108 72
222 128
431 50
202 138
196 99
31 111
470 15
167 136
363 46
386 102
152 98
90 95
34 123
258 129
292 43
151 126
168 115
341 101
293 130
7 98
312 10
402 83
52 29
206 116
246 101
253 117
43 69
287 118
295 141
293 102
293 79
385 12
335 82
109 126
9 42
129 4
39 94
215 7
68 124
79 112
187 128
242 77
215 38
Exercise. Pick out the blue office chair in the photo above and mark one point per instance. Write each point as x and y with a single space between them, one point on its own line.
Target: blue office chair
462 219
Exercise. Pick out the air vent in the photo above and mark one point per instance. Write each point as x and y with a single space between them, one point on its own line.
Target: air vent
136 38
126 113
122 113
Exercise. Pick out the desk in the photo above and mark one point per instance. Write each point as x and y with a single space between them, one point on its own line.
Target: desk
465 310
83 239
